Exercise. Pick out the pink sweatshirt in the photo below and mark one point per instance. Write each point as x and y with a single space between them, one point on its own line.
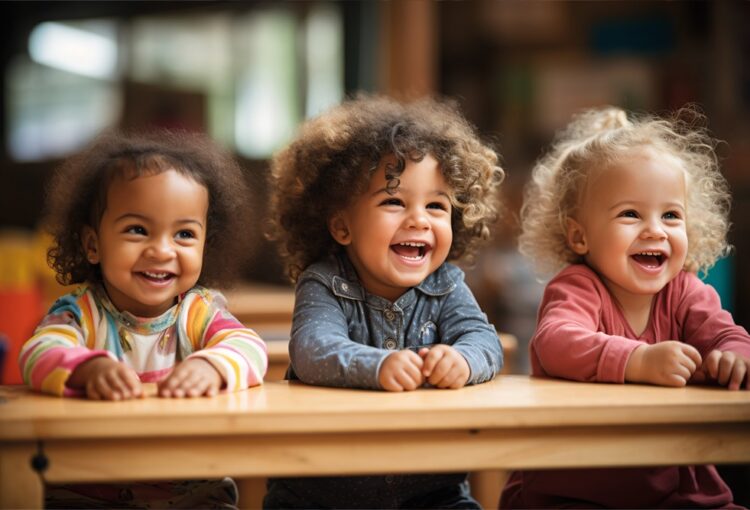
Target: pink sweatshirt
583 335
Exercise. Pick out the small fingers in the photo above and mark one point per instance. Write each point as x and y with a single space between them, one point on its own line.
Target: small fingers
711 364
676 380
133 383
407 380
692 353
452 380
117 385
442 370
739 372
172 385
726 366
92 392
431 360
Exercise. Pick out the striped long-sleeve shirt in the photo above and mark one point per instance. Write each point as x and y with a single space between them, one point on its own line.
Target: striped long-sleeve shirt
85 324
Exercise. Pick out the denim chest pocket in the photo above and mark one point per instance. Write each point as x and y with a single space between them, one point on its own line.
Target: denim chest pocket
428 334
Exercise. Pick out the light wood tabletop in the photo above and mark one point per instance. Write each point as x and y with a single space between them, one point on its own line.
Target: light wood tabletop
286 428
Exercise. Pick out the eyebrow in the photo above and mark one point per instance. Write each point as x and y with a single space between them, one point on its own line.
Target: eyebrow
141 217
623 203
435 192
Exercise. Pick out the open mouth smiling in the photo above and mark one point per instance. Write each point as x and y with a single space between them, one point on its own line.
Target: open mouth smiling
411 250
157 276
651 259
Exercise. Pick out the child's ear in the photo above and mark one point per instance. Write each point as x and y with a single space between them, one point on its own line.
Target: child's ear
90 243
576 237
339 229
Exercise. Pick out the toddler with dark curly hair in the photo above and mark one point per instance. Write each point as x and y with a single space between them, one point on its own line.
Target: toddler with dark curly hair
142 222
369 202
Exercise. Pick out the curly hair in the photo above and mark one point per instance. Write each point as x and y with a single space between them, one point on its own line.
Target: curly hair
597 138
77 197
330 163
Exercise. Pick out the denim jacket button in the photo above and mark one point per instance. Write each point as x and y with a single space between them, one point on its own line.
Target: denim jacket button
390 315
344 287
389 344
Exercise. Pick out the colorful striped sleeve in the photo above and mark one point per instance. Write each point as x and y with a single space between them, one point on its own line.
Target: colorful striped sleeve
60 343
237 352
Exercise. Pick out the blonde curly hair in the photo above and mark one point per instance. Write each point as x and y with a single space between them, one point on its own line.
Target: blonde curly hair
330 163
597 138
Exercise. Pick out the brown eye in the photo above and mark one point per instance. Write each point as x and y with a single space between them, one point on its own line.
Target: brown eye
185 234
392 201
136 229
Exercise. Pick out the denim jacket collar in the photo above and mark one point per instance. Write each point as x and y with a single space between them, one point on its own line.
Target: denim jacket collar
346 284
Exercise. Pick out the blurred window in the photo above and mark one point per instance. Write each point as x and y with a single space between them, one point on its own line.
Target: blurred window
256 73
65 92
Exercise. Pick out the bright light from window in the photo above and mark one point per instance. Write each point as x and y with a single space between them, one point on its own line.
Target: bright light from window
73 49
267 103
325 70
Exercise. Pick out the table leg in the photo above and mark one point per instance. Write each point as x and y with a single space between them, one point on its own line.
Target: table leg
251 491
20 485
487 485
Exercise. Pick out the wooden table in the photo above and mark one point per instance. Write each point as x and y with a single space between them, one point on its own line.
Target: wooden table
292 429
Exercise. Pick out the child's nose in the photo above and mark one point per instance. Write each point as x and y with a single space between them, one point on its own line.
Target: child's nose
160 249
418 219
654 230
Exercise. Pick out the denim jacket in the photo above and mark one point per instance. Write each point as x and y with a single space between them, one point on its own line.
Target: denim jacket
341 334
340 337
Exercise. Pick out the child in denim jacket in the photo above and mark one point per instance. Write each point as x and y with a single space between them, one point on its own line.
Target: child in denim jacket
369 202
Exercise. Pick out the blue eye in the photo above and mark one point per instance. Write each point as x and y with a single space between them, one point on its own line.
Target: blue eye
630 213
671 215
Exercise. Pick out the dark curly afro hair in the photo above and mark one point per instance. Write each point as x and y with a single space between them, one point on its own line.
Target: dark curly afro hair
332 159
77 197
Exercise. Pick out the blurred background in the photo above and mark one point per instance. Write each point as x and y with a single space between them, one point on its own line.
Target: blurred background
248 73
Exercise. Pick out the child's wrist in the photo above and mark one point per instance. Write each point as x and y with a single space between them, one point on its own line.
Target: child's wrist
634 365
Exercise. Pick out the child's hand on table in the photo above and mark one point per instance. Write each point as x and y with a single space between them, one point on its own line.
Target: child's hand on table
401 371
194 377
106 379
727 369
669 363
444 367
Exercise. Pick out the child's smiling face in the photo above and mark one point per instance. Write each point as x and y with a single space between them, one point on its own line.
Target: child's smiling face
150 240
395 240
631 226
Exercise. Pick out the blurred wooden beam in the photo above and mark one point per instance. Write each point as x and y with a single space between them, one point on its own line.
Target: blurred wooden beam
409 56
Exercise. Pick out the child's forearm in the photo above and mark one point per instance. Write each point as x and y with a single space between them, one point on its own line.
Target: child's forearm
634 365
48 367
240 357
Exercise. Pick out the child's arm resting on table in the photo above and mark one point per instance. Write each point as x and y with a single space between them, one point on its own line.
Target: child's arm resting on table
321 351
60 345
463 330
724 345
669 363
194 377
726 368
103 378
225 355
